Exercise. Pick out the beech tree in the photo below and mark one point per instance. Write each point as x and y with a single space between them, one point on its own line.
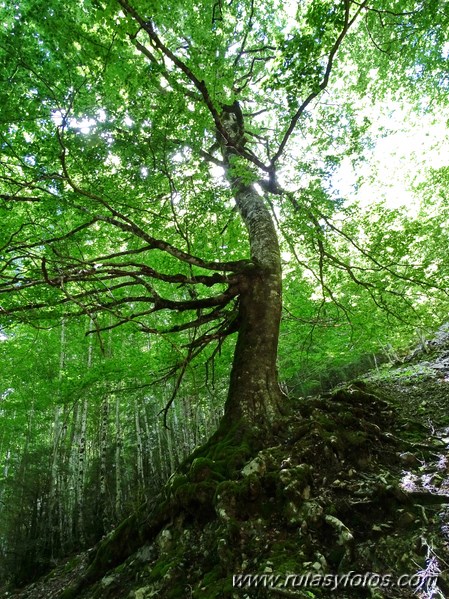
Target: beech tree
148 150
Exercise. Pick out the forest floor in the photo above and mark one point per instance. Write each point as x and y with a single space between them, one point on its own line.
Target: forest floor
354 500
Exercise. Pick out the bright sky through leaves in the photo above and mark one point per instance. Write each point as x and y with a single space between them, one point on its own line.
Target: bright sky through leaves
397 161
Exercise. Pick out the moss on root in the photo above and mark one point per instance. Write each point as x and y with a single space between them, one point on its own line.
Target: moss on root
190 492
121 543
236 507
226 452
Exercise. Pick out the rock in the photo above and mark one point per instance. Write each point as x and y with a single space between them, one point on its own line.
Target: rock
409 459
256 466
141 593
345 536
165 540
107 580
406 519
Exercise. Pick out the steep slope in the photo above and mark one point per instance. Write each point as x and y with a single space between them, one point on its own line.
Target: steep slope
357 483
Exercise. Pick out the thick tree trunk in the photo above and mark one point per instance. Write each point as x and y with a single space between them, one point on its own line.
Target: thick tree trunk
255 399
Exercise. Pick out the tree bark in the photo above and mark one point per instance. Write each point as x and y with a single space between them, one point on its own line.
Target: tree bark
139 447
118 462
255 401
254 398
104 437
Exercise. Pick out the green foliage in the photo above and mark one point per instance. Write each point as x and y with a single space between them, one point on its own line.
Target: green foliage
300 67
113 197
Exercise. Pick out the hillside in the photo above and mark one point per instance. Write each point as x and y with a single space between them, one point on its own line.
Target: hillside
357 483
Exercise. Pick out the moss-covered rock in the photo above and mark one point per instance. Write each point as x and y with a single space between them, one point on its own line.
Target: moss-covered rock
326 497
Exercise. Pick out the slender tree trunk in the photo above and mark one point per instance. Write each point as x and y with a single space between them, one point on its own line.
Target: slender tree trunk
64 512
81 456
6 466
139 447
104 425
55 490
80 474
118 461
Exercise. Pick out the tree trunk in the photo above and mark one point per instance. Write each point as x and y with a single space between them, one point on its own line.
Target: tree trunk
118 461
54 500
80 475
104 426
139 448
255 399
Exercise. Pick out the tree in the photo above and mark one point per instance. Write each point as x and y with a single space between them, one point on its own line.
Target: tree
129 128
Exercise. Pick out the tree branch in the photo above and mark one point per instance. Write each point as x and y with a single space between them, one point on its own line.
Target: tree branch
146 52
126 224
42 242
199 84
16 198
164 246
348 22
384 11
245 37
